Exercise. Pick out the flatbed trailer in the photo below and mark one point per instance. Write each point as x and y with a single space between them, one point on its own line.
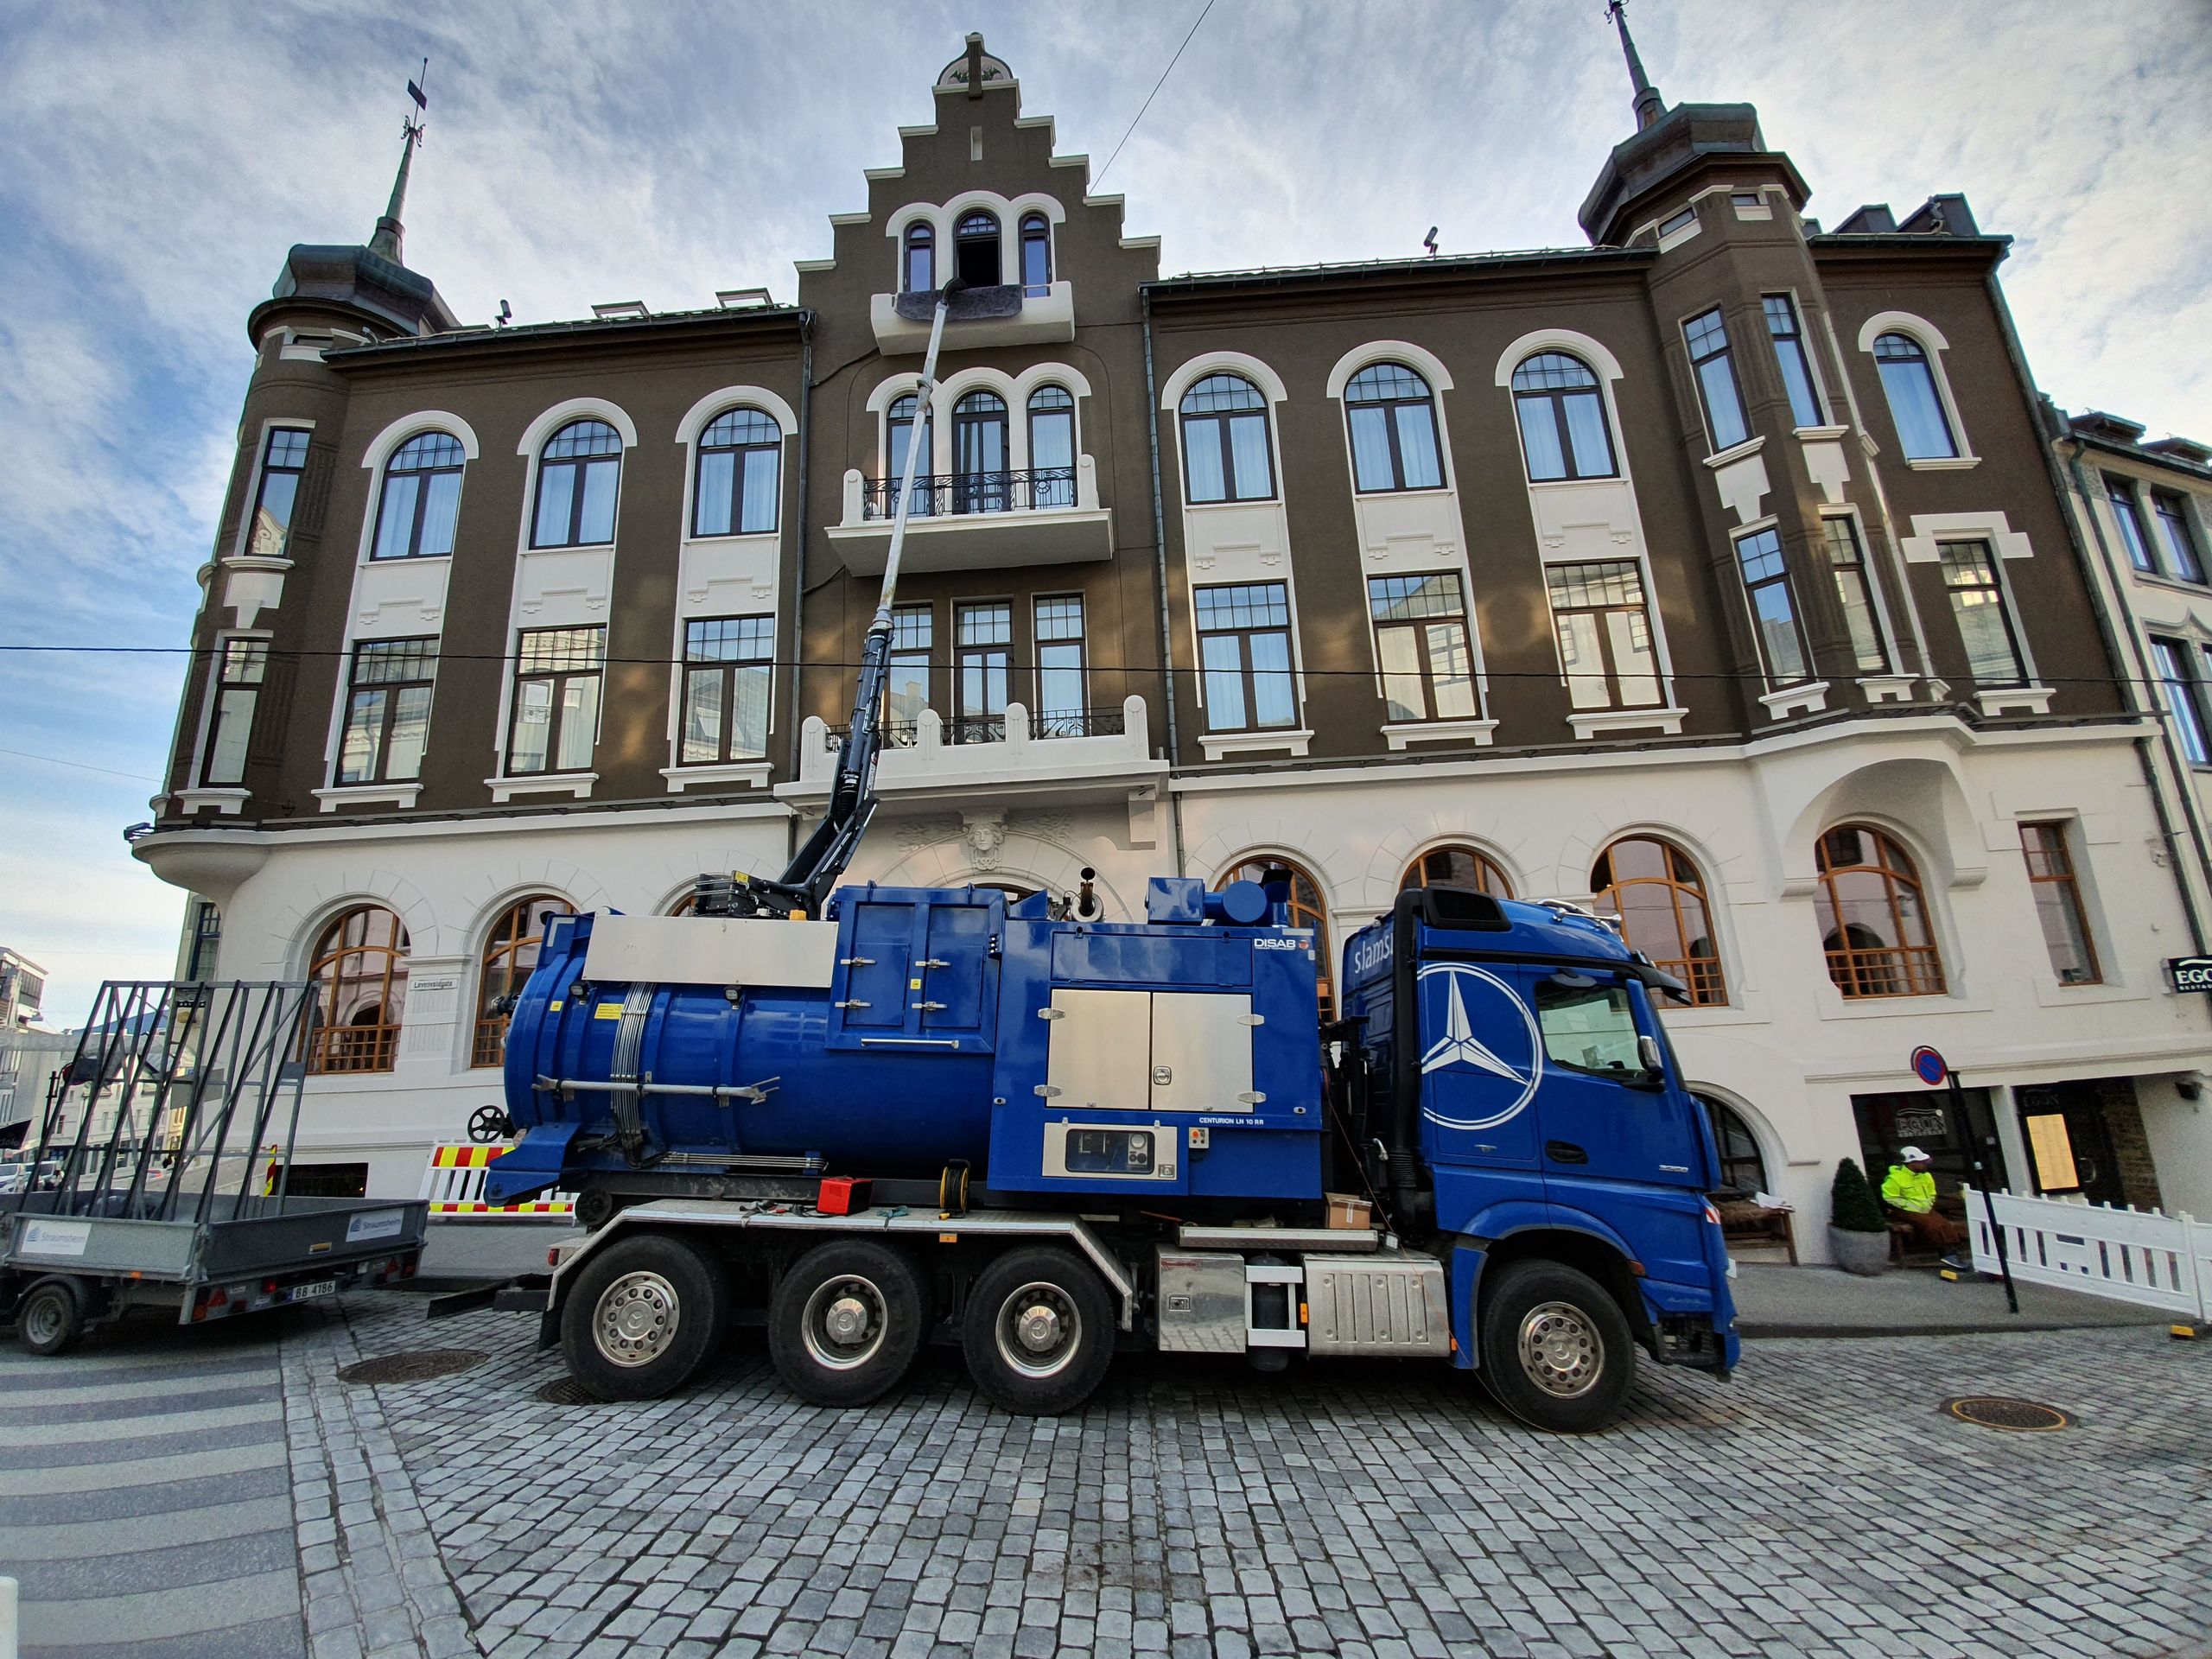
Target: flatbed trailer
163 1195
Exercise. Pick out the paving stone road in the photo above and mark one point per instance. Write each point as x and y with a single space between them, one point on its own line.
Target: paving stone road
1818 1505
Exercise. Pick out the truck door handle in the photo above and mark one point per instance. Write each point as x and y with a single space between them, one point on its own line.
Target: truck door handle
1565 1151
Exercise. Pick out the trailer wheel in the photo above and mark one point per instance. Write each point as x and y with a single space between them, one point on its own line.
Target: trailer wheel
1556 1349
1040 1331
845 1322
644 1315
50 1317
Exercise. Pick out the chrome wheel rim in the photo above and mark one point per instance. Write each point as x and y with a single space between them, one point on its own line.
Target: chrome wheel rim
637 1318
44 1320
844 1324
1039 1330
1561 1350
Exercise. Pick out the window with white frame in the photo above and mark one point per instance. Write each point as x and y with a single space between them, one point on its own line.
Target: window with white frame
740 456
2183 559
555 720
1984 619
421 500
1225 453
1244 656
1909 381
1060 682
1036 255
906 686
283 459
728 661
982 668
1561 409
2181 683
579 474
1420 644
2127 513
387 711
1051 448
1711 362
1774 610
241 666
1392 414
1855 593
1604 627
1789 356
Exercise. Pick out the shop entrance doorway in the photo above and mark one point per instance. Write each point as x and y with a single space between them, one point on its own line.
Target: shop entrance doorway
2069 1142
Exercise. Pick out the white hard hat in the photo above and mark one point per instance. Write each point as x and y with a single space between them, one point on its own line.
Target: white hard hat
1912 1155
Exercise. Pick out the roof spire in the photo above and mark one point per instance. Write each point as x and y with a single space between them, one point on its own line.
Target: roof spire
1649 105
386 243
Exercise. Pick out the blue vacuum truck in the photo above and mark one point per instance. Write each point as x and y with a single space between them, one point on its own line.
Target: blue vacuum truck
875 1117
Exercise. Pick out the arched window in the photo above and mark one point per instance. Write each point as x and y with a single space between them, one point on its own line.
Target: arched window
979 453
1655 889
1742 1165
976 249
422 499
1051 448
1306 910
510 956
1036 256
1873 920
740 456
920 272
359 974
1393 418
1457 866
1225 441
577 478
1909 381
1564 431
898 435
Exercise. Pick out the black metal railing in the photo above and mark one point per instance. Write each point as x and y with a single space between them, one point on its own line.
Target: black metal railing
1078 722
991 728
943 495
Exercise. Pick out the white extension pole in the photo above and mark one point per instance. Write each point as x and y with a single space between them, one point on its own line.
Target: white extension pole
11 1631
923 428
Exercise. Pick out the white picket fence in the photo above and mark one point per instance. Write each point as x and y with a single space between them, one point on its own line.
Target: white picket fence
2144 1256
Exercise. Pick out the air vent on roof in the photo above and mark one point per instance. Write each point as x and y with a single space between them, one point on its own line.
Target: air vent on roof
741 299
620 309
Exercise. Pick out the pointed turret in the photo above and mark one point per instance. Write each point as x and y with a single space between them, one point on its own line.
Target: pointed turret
389 232
1648 105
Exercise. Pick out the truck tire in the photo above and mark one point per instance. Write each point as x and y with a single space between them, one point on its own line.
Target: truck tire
644 1315
1039 1333
1556 1348
50 1317
845 1322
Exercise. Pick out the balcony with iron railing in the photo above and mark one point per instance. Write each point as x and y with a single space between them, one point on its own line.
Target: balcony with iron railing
1059 757
968 521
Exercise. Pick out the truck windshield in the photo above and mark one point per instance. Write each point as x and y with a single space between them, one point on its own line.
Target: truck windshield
1589 1027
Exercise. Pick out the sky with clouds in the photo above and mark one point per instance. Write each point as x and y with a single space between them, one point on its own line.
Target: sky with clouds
163 157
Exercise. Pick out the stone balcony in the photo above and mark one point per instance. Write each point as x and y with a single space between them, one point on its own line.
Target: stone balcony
975 521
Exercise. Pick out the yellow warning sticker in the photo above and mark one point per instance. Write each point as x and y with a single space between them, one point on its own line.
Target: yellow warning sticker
608 1011
555 1005
913 984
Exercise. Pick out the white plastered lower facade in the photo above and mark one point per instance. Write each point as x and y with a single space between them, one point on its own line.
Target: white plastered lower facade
1788 1051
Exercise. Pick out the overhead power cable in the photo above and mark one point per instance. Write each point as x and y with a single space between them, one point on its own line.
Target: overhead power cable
1149 96
56 761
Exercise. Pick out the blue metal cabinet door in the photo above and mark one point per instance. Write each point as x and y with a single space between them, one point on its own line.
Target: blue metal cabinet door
1623 1155
948 984
870 988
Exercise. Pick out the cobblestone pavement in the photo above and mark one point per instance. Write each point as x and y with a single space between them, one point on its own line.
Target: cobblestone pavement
1818 1505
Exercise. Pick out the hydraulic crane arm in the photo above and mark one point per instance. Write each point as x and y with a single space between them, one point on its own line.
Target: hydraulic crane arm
822 858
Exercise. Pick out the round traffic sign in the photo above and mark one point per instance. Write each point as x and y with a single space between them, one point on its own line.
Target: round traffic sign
1928 1066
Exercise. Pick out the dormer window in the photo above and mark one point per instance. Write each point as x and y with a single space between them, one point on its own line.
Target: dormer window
921 259
1036 256
975 249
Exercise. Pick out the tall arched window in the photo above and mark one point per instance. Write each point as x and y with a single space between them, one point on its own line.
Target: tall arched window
510 956
1036 256
1051 448
1306 910
578 476
898 433
976 249
1655 889
1873 919
421 499
359 974
1909 381
739 457
979 453
1225 441
919 273
1562 409
1457 866
1392 414
1742 1165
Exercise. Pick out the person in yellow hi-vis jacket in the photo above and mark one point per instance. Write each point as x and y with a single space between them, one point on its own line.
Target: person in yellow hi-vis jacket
1909 1191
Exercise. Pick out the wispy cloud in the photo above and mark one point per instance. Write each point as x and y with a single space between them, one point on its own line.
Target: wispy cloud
163 158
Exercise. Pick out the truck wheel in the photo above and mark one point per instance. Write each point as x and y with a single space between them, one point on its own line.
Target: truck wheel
1040 1331
50 1317
1556 1349
845 1322
644 1315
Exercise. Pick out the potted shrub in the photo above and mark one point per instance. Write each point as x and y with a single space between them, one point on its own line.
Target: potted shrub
1858 1234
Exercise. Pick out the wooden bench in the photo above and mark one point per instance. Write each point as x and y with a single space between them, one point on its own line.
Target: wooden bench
1740 1219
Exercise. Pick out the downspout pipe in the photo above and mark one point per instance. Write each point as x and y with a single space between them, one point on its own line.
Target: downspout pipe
798 572
1160 576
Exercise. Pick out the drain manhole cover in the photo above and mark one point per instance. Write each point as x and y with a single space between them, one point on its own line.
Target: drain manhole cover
2002 1411
567 1391
419 1366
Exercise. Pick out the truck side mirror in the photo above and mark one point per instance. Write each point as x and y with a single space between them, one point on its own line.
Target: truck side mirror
1647 1050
